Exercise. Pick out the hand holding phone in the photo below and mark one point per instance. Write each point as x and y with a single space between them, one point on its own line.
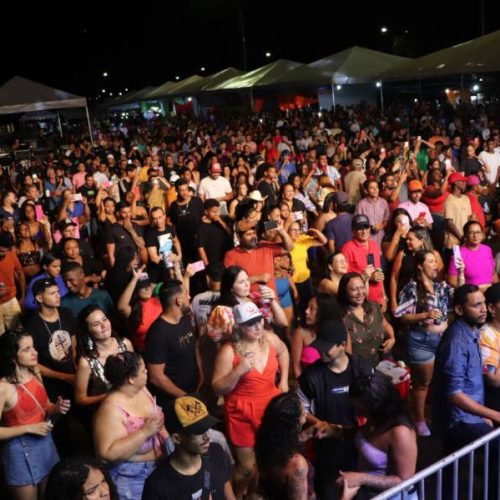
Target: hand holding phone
197 266
370 259
270 224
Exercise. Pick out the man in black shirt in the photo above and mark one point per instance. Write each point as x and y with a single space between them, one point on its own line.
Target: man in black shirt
89 190
324 390
124 233
214 235
197 469
53 329
269 186
171 353
185 214
156 234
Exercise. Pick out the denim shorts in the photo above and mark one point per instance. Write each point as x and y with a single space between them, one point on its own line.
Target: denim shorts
28 459
422 346
129 478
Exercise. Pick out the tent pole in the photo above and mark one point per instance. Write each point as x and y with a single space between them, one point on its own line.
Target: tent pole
382 96
88 123
333 96
59 124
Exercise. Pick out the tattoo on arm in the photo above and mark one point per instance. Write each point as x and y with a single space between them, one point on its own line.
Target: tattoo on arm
297 485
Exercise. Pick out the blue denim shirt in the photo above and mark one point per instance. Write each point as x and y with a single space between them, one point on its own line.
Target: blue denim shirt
457 369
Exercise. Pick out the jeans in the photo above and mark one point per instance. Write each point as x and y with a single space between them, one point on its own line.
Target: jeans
129 478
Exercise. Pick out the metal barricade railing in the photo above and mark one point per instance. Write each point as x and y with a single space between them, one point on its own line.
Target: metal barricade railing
418 481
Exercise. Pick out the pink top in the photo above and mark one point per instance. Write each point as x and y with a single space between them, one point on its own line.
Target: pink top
133 424
309 356
479 265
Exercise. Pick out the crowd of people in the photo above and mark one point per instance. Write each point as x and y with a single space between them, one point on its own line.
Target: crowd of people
199 308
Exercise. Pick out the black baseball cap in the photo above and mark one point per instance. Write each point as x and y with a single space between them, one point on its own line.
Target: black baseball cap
39 286
360 221
331 333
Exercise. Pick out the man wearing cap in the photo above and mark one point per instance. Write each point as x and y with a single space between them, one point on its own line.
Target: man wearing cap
257 259
353 181
375 208
419 212
197 469
457 211
217 187
363 256
474 190
324 390
339 231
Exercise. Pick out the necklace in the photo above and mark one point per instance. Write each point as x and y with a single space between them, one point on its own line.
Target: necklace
184 211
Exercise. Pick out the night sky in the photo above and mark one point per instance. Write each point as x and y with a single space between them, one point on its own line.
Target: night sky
70 46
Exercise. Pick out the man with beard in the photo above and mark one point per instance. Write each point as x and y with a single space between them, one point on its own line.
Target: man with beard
171 351
458 385
197 468
257 259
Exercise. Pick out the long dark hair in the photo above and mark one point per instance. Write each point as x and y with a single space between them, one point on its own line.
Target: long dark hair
9 346
277 438
327 307
342 297
68 477
85 345
227 297
394 216
380 401
420 257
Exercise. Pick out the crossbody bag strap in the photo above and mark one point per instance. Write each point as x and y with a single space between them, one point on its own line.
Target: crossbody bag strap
30 394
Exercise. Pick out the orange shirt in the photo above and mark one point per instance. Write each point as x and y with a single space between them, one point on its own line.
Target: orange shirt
8 266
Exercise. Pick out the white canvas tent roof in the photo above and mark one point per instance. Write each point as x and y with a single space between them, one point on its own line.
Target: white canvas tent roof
479 55
20 95
357 65
265 75
160 91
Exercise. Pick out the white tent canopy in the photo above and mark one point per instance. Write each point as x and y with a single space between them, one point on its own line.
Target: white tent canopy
357 65
19 95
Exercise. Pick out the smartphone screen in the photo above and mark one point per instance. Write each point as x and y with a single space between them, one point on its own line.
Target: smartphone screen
39 212
198 266
370 259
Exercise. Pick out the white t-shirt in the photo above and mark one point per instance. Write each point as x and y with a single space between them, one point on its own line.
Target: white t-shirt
214 188
492 162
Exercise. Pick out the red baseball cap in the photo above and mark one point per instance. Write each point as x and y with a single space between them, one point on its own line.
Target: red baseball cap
456 177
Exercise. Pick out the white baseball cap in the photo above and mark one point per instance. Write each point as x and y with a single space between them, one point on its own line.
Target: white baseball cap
246 313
